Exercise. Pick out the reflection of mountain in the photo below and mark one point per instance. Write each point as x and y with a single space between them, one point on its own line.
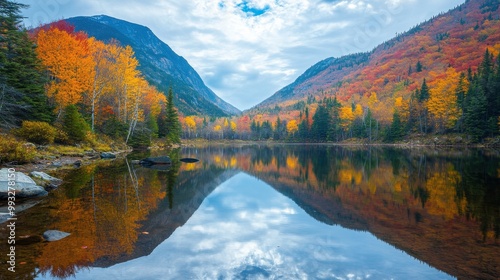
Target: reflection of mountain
191 189
378 191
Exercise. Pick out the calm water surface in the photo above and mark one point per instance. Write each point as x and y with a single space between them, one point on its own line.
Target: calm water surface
271 212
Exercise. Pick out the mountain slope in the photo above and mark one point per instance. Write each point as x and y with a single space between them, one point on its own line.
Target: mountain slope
161 66
396 68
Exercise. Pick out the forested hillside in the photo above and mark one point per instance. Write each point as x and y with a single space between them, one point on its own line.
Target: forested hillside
440 77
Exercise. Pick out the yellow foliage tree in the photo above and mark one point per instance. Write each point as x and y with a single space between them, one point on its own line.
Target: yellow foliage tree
70 64
442 103
191 124
292 127
346 116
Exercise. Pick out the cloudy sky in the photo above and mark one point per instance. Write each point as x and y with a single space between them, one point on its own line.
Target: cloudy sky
245 50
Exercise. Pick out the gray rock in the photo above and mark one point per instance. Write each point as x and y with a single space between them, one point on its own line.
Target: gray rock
46 177
57 164
47 181
156 160
24 186
54 235
107 155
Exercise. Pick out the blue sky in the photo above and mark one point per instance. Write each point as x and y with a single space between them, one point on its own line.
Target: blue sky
246 50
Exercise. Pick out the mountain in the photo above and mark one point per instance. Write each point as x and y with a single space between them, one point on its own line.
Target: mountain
456 39
161 66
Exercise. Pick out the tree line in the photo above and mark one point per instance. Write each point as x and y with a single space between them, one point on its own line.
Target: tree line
467 103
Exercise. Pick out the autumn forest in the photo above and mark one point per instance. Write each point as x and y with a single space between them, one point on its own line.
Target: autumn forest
441 78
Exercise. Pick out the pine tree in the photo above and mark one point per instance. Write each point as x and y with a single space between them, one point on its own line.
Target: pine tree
396 130
419 66
475 115
20 67
334 128
424 92
423 112
320 125
74 125
461 93
173 126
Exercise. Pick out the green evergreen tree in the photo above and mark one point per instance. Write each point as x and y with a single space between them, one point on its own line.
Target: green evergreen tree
20 67
476 115
419 66
266 130
280 130
303 133
424 92
334 128
152 125
74 124
396 131
461 94
172 124
320 125
161 121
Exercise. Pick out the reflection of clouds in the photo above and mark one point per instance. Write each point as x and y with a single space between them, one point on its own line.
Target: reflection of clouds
266 236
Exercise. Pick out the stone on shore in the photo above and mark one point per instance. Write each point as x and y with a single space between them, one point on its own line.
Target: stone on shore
54 235
50 181
23 185
108 155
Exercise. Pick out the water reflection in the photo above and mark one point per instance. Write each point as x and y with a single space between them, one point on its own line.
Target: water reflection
247 230
441 207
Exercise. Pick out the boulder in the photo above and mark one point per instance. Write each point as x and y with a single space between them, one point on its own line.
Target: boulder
45 180
54 235
51 181
24 186
108 155
156 160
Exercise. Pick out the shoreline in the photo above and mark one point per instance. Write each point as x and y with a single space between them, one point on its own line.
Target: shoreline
55 162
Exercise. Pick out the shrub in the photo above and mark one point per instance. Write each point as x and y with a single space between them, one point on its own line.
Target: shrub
74 125
13 150
62 137
41 133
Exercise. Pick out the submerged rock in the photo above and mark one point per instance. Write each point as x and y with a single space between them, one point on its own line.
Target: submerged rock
189 160
23 185
156 160
108 155
54 235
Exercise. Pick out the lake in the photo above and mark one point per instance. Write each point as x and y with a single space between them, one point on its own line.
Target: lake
270 212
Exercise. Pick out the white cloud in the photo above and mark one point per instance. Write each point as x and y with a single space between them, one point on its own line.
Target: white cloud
263 53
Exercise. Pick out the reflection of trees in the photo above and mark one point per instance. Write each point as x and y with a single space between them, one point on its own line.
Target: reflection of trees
429 203
447 184
102 208
479 187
